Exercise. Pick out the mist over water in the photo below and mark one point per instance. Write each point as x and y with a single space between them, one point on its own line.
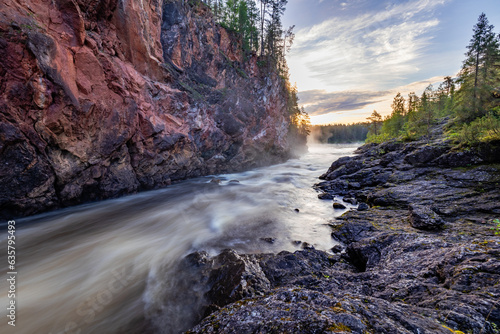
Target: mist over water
98 268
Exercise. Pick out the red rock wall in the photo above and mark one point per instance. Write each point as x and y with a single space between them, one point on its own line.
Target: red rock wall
100 98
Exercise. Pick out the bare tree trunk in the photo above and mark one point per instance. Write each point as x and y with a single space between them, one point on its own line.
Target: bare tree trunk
262 18
475 81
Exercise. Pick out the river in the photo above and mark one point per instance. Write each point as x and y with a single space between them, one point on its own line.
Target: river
98 268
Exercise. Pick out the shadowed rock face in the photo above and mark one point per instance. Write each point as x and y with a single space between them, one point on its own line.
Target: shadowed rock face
104 98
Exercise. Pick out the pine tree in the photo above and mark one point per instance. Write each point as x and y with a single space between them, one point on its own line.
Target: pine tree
230 15
479 73
275 29
398 105
413 101
394 124
426 109
253 16
263 13
376 120
244 25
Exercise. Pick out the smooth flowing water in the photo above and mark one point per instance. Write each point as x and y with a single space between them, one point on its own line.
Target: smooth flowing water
99 268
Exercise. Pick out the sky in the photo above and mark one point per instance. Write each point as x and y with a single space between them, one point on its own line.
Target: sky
351 57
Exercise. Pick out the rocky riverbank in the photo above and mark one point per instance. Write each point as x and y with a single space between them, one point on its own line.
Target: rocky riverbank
419 256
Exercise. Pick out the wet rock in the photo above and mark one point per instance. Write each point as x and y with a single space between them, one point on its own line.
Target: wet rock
424 218
339 206
296 210
391 158
336 249
327 196
296 242
215 181
292 311
269 240
288 269
209 283
389 146
354 185
335 165
285 312
230 276
350 200
352 231
431 276
425 154
363 207
306 245
367 252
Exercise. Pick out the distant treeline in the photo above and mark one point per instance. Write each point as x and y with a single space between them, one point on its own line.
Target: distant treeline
340 133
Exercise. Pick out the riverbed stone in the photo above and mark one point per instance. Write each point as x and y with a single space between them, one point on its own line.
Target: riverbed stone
350 200
306 245
337 205
268 240
325 196
363 207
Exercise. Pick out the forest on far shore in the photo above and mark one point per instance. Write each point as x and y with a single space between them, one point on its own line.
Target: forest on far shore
340 133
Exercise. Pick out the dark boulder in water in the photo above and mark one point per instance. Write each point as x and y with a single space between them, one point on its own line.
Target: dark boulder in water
337 205
325 196
269 240
306 245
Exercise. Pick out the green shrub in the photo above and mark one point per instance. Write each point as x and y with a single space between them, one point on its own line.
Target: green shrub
497 228
383 137
483 129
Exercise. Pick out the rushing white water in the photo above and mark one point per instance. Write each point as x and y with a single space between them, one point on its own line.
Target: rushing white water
98 268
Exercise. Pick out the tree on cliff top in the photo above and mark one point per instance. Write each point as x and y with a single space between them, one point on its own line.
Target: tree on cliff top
244 18
253 23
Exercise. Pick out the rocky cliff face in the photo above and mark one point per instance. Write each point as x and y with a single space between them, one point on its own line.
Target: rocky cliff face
104 98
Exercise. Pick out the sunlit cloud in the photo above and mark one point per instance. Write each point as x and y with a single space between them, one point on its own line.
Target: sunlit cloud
355 106
319 102
371 51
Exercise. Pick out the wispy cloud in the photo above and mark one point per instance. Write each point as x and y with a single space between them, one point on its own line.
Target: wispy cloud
356 106
374 50
320 102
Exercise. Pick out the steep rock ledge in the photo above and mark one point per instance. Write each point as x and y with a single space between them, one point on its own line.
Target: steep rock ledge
104 98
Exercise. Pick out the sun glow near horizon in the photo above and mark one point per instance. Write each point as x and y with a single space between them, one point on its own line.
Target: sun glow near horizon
382 105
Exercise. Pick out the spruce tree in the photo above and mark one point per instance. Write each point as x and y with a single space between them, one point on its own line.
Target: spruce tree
376 120
479 72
